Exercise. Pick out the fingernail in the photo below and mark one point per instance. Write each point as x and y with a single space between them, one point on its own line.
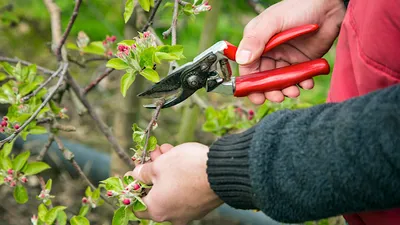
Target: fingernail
243 56
136 171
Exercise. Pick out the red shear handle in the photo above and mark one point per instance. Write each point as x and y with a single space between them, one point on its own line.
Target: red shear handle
276 40
280 78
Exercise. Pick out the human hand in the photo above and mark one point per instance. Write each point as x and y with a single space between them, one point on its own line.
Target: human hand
328 14
180 192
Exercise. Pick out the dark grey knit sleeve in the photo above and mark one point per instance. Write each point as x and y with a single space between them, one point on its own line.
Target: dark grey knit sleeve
327 160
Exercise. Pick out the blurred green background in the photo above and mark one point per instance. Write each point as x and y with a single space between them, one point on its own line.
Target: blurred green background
25 33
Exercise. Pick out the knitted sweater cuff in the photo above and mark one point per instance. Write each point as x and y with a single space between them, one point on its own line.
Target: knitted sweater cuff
228 169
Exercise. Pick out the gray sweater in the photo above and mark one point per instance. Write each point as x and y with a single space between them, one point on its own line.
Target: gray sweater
309 164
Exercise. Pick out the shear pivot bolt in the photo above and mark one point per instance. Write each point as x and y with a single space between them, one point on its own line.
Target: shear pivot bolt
193 81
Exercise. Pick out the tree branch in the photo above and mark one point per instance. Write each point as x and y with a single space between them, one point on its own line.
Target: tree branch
70 157
101 125
27 97
152 15
68 30
44 103
257 7
97 81
174 22
152 122
25 63
45 148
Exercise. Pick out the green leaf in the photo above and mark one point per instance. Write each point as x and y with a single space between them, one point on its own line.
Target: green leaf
5 163
8 68
117 64
72 46
129 5
128 179
2 76
48 184
139 205
126 81
113 183
127 42
20 160
88 192
61 218
42 211
79 220
150 75
95 47
37 130
20 194
4 99
120 217
96 194
175 50
145 4
7 148
35 168
84 210
147 57
51 215
188 9
152 143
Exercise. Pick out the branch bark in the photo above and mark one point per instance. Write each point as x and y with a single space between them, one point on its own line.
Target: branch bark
97 81
152 15
152 122
44 103
68 30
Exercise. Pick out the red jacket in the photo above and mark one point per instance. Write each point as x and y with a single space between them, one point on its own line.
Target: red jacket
368 58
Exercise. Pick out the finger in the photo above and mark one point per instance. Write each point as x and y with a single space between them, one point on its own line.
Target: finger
144 173
307 84
155 154
275 96
255 36
291 92
257 98
165 148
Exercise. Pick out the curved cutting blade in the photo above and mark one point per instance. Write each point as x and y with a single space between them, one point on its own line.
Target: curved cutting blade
167 86
185 93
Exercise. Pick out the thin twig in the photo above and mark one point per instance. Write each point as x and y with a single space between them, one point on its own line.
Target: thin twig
174 22
97 81
27 97
257 7
44 103
152 15
69 156
183 3
81 65
152 122
25 63
45 148
102 126
68 30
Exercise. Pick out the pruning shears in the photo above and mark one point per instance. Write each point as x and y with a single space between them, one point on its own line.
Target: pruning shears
211 70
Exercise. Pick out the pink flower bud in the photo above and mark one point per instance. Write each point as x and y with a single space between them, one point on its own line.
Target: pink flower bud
251 112
42 195
113 38
5 118
126 201
146 34
16 126
133 158
1 130
5 179
126 189
24 179
34 219
10 171
136 187
110 53
105 43
84 200
110 193
9 178
13 183
3 123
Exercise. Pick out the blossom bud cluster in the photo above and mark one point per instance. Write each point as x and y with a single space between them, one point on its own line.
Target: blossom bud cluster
128 195
11 177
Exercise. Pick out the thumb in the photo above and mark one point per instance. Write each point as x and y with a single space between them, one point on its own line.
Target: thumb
255 36
144 173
